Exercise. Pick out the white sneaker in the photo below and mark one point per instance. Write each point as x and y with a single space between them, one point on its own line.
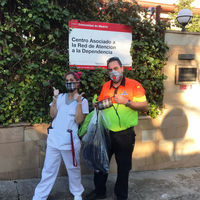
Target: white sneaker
77 197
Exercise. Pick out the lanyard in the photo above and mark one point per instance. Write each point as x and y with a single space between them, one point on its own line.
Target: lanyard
117 107
73 151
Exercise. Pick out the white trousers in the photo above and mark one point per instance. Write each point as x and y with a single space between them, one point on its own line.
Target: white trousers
50 171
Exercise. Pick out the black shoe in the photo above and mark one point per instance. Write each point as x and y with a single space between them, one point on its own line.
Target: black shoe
93 196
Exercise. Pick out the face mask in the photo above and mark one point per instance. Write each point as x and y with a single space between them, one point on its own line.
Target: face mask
115 76
70 87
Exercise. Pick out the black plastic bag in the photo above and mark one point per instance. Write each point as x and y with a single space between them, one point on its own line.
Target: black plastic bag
96 144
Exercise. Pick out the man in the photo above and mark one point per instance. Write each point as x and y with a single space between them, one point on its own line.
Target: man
128 97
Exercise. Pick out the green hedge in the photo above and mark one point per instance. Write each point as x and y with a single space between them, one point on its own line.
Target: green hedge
34 54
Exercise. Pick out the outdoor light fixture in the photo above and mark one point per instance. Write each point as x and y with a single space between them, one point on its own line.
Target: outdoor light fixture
184 17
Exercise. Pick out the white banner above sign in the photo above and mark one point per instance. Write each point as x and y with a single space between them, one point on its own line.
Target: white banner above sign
92 43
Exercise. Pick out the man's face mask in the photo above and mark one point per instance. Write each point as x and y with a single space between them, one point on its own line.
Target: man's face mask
115 76
70 87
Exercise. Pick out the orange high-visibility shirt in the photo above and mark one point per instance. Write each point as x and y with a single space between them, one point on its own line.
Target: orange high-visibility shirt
126 117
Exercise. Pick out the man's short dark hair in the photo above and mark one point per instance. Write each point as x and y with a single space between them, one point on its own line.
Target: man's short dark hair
114 59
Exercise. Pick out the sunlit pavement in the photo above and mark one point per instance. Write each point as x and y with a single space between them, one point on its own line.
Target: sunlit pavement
175 184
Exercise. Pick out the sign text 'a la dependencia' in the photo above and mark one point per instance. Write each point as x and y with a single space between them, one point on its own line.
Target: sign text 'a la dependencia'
92 46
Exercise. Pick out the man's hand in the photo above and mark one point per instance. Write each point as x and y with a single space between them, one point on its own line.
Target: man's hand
55 92
120 99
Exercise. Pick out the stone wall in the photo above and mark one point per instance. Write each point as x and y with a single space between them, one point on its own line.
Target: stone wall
172 140
22 151
19 158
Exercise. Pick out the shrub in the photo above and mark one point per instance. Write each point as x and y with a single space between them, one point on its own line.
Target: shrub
34 54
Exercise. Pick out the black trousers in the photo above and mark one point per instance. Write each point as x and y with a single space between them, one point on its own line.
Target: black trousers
121 145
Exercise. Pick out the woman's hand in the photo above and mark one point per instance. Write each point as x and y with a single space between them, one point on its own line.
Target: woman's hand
55 92
78 97
53 108
79 117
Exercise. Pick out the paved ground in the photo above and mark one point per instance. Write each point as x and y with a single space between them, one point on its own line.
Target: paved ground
176 184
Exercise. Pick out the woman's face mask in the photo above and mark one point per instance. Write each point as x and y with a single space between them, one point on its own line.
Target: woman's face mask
70 86
115 76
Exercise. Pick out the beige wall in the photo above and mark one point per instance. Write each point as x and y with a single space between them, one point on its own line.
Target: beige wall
170 141
173 140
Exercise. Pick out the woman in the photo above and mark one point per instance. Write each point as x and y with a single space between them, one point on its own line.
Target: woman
68 110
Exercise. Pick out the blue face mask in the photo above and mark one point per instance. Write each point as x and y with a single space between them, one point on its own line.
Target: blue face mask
115 76
70 87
